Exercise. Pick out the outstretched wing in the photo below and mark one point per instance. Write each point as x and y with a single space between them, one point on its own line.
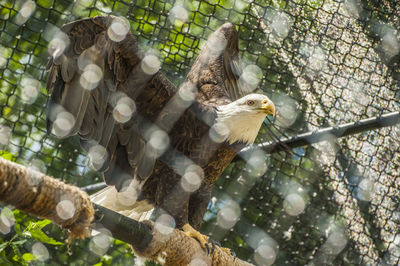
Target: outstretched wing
217 70
106 90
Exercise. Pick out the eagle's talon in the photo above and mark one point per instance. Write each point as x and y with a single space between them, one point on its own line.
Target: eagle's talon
208 248
205 241
213 248
214 244
191 232
228 251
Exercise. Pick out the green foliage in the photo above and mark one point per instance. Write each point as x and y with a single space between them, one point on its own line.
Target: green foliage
34 229
16 246
8 156
26 232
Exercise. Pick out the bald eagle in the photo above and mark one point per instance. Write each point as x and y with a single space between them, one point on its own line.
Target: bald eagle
158 146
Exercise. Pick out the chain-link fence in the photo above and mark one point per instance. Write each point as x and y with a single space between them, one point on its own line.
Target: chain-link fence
323 63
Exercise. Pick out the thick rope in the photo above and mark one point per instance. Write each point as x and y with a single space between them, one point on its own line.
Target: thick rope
70 208
46 197
178 249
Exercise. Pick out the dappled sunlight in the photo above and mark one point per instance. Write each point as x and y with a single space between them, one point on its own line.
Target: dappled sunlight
313 200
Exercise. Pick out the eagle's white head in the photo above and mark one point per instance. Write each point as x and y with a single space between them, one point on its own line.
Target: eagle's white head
241 120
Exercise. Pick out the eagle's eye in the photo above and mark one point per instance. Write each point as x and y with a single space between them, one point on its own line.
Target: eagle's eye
250 102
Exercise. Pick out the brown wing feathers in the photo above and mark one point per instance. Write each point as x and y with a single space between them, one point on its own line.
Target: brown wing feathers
90 102
217 69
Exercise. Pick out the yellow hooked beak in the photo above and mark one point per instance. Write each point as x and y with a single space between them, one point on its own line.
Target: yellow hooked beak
268 107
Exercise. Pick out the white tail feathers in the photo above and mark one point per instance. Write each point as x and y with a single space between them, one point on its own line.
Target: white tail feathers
124 202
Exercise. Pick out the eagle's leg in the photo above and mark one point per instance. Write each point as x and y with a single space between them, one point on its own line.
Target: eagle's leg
191 232
203 239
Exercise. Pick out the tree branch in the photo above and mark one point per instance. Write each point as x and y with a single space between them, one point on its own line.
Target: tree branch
46 197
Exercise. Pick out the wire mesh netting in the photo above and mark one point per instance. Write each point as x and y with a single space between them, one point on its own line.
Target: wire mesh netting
323 63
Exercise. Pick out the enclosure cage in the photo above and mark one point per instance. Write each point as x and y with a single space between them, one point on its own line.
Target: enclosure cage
321 184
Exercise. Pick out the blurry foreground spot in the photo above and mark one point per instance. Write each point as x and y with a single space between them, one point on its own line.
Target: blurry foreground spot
7 220
264 255
124 109
150 64
335 243
217 43
4 55
256 163
30 90
188 92
63 124
101 241
40 251
128 195
58 43
219 132
97 155
178 14
251 77
366 189
390 45
118 29
228 215
294 204
165 224
25 12
5 134
192 178
65 209
280 24
286 111
91 76
159 140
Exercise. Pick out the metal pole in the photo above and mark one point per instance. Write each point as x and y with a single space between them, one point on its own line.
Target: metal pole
308 138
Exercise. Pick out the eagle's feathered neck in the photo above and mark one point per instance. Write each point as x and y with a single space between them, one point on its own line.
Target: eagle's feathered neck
238 123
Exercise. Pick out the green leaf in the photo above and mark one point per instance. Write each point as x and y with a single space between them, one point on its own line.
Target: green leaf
3 246
18 259
6 155
43 223
17 256
20 242
3 259
119 242
39 235
28 257
43 3
106 258
15 249
17 229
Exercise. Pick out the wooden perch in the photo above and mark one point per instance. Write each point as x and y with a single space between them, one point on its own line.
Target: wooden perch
46 197
43 196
